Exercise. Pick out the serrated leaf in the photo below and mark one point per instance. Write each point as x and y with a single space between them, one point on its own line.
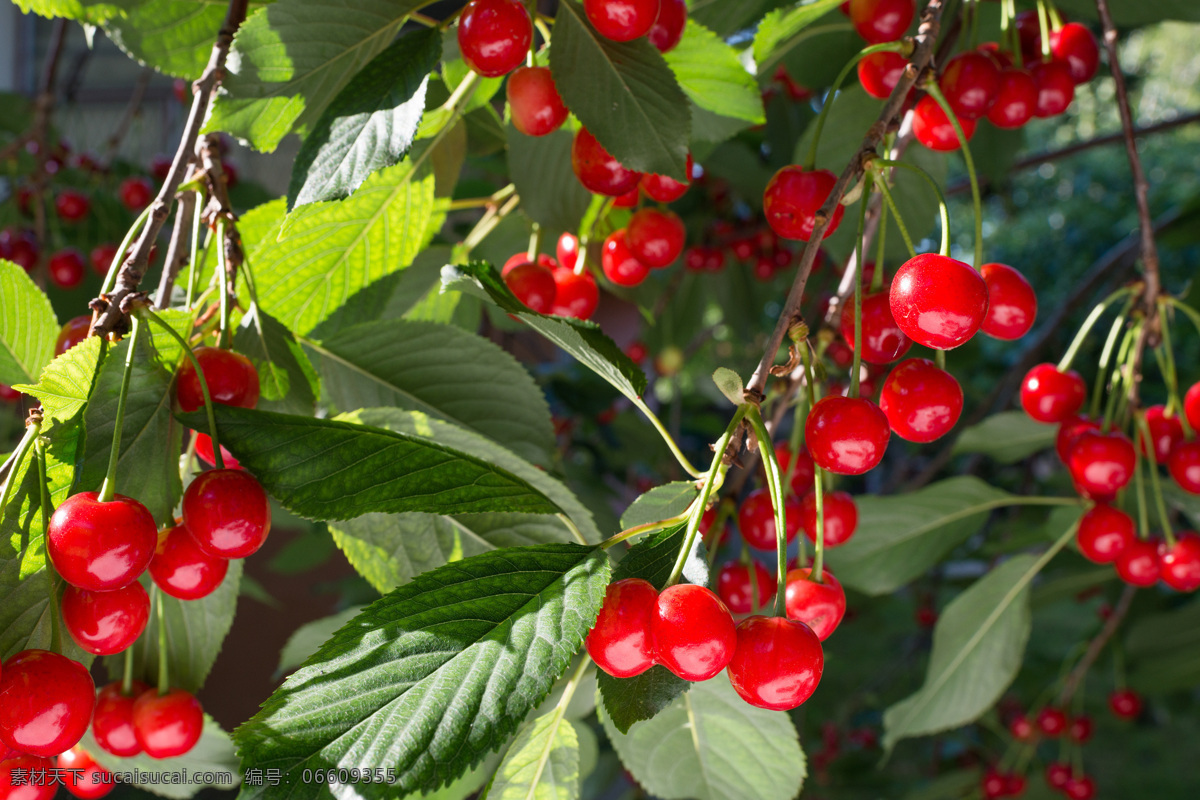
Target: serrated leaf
288 382
86 11
653 559
1007 437
900 537
661 502
541 170
730 384
709 744
308 638
542 763
324 469
258 228
432 677
781 25
369 125
174 37
728 18
623 92
642 697
28 326
712 76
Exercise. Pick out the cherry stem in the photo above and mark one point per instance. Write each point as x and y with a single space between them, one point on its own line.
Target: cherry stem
891 203
127 673
1106 355
943 209
856 368
880 250
638 530
110 277
818 569
543 29
1044 26
1140 486
1190 312
775 487
535 243
164 678
1155 485
197 259
725 510
1064 363
687 465
223 283
1119 377
56 641
109 487
14 463
1165 354
939 359
976 199
794 442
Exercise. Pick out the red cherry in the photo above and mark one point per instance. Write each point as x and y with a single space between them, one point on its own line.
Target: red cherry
567 250
1125 703
575 294
598 171
46 703
1081 788
792 199
1101 464
82 776
778 662
494 36
736 590
1080 729
101 546
1021 728
1052 722
1165 433
628 200
841 517
72 206
135 193
167 725
1029 30
620 642
938 301
744 248
106 623
1191 406
1056 87
622 20
712 537
883 340
847 436
1069 433
756 519
36 781
536 106
662 189
1184 466
655 237
880 72
668 27
1140 564
619 263
970 83
66 268
1048 395
1012 303
1074 44
227 512
1104 533
160 167
880 21
802 475
20 248
921 401
1058 774
231 377
637 352
820 606
934 129
533 285
74 332
112 722
995 784
204 451
102 256
693 632
1181 563
520 259
181 569
1016 99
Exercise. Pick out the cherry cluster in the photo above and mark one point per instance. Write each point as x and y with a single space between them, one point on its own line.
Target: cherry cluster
550 285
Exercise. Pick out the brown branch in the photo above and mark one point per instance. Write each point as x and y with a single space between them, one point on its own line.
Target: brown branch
922 56
108 318
42 110
1075 679
132 111
179 251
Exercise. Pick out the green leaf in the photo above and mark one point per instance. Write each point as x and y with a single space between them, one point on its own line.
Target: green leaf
439 370
709 744
623 92
324 469
85 11
978 647
661 502
435 675
1007 437
730 384
1164 650
288 382
308 638
290 59
642 697
259 228
729 18
653 559
541 170
1128 13
28 327
174 37
781 25
901 536
712 76
542 763
369 125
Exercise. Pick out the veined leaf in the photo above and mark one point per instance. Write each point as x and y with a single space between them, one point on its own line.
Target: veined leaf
642 697
28 326
174 37
712 76
87 11
661 502
1007 437
308 638
542 763
541 170
782 24
288 382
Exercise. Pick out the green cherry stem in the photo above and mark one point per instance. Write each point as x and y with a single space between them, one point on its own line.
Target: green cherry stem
223 279
856 368
1165 354
1187 310
891 204
687 465
110 278
1064 363
943 209
880 249
1106 355
775 487
32 431
1116 391
1044 26
818 569
976 199
1155 485
127 673
194 270
109 487
164 677
638 530
56 640
1140 486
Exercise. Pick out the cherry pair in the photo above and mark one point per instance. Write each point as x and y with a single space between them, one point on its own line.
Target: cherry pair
161 725
1002 784
821 606
792 199
548 286
652 240
601 173
662 21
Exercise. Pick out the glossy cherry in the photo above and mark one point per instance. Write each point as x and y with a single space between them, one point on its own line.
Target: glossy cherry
736 589
1049 395
575 294
1184 465
1029 31
566 251
37 782
46 702
227 512
1014 784
628 200
820 606
106 623
1012 303
620 642
778 662
1101 464
494 36
804 471
1016 99
112 721
1125 703
847 436
181 569
82 776
1069 432
922 402
622 20
619 263
1181 563
882 339
756 519
74 332
231 377
598 171
167 725
840 513
1191 406
1052 722
668 26
1103 534
655 237
204 451
664 189
534 285
792 198
1056 87
135 193
694 635
880 72
71 206
934 129
101 546
1058 774
1140 564
970 82
1081 788
1165 433
1074 44
938 301
880 21
536 106
66 268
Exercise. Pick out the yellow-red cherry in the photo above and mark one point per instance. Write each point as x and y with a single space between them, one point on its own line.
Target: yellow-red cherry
182 570
820 606
1184 465
737 590
846 435
938 301
46 702
598 171
1055 87
1103 534
101 546
922 402
1050 395
620 642
882 339
756 519
1181 563
792 198
1012 303
667 29
880 72
74 332
1075 45
655 237
840 513
693 632
82 776
112 721
933 128
537 108
619 263
575 293
1140 564
970 83
533 285
778 662
622 20
167 725
106 623
1101 464
227 513
231 377
880 21
494 36
135 193
1016 99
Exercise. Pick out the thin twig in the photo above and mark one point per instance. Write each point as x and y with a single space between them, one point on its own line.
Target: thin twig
1075 679
179 251
132 111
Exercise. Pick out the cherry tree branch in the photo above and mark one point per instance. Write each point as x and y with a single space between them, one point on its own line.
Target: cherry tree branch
1075 678
179 250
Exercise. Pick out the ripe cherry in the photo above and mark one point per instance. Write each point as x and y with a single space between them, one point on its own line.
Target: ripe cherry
756 519
620 641
1021 728
737 591
71 206
1056 87
520 259
668 27
994 784
1016 99
1181 563
628 200
1191 406
778 662
536 106
181 569
20 248
66 268
112 722
101 546
1081 788
1069 433
880 72
655 237
792 199
970 82
882 339
622 20
567 250
1052 722
921 401
167 725
82 776
664 189
1058 774
1074 44
804 471
102 256
1103 534
575 294
1140 564
847 436
135 193
938 301
1014 784
713 537
693 632
160 167
533 285
494 36
1080 729
880 21
1012 303
934 129
204 451
1184 465
619 263
231 377
598 171
840 513
46 702
1125 703
29 787
820 606
227 512
74 332
1101 464
1029 30
1048 395
106 623
1165 433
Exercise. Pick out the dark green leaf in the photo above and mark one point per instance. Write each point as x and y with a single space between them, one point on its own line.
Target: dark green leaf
28 326
540 167
174 37
1007 437
630 700
780 26
653 559
728 18
712 76
288 382
1127 13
